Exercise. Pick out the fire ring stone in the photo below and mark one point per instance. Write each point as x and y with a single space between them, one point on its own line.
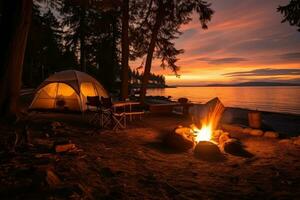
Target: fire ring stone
207 151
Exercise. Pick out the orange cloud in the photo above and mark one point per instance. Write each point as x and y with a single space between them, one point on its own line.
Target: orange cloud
242 36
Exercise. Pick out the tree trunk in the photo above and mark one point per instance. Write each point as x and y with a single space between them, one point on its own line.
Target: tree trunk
125 49
82 41
82 55
15 24
147 70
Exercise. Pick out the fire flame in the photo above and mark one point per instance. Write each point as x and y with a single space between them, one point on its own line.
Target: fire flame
203 134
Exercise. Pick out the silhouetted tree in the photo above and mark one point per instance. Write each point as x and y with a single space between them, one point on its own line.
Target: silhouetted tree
75 20
125 49
291 13
43 52
162 26
15 23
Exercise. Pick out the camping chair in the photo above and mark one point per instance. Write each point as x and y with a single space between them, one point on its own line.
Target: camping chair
117 120
94 102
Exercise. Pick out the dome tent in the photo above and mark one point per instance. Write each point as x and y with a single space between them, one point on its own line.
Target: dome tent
66 90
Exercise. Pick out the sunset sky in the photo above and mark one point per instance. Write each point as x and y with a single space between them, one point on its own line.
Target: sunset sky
245 41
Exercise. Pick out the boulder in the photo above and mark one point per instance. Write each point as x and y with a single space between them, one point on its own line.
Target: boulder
271 134
207 151
256 132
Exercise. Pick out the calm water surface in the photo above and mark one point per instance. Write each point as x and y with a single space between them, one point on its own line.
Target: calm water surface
274 99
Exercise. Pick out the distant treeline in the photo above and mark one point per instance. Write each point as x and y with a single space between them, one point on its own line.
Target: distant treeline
154 80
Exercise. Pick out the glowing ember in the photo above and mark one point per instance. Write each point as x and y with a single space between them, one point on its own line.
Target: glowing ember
203 134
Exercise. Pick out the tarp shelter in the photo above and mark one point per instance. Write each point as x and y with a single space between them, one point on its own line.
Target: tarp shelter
67 90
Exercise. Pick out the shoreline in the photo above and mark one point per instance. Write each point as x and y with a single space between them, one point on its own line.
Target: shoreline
164 99
287 124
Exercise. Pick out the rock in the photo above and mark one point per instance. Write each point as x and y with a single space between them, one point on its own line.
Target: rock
232 128
64 147
179 140
256 132
271 134
247 131
296 141
207 151
235 147
285 141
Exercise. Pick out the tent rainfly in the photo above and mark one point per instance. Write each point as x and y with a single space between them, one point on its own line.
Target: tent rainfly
67 90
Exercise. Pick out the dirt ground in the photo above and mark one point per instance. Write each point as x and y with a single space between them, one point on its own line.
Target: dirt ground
134 164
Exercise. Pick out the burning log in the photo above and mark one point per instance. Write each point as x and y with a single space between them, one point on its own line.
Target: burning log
180 139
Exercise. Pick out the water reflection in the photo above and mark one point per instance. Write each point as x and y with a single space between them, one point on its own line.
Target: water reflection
276 99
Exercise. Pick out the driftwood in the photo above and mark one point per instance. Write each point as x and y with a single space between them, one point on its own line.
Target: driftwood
52 179
64 147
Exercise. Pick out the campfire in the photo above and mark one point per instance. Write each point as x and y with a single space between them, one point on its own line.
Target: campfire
209 117
204 137
203 134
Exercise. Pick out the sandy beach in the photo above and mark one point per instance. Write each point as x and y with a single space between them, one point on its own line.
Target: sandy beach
134 163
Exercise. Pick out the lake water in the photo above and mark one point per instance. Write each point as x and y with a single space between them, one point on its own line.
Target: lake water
275 99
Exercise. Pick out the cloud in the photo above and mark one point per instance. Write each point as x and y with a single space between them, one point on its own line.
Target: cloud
264 72
243 36
219 61
291 56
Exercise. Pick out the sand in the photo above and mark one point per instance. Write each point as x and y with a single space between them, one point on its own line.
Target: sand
134 164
